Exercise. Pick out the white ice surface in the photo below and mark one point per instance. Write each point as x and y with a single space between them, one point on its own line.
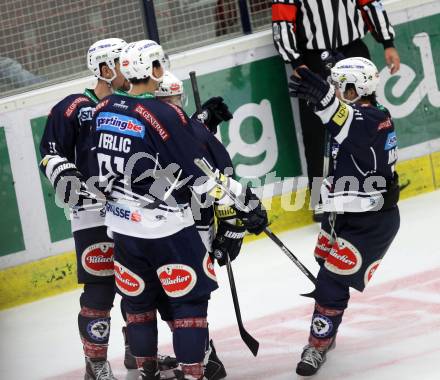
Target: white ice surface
391 331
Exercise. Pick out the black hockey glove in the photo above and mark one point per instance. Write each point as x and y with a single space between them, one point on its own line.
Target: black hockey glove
329 58
214 111
255 220
227 241
311 88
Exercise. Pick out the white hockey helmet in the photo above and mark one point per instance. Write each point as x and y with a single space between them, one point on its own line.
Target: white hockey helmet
138 57
361 72
170 86
104 51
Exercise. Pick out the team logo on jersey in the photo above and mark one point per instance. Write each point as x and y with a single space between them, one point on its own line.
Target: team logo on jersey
391 141
97 259
344 258
85 114
177 279
126 125
151 120
99 329
74 105
208 267
323 245
128 282
121 105
370 271
321 326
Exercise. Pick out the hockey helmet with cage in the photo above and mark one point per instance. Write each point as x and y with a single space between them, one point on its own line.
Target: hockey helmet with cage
138 57
104 51
360 72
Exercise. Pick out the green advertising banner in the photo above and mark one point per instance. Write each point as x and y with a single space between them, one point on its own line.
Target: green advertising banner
261 136
59 226
412 95
11 236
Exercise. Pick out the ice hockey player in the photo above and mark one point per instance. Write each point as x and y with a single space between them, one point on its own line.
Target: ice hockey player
230 235
146 156
64 148
360 196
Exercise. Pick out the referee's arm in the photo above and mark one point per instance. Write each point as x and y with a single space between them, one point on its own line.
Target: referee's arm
378 24
283 31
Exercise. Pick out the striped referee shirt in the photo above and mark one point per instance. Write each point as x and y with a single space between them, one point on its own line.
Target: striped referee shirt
301 25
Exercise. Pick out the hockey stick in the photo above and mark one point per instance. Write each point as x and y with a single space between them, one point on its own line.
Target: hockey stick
196 93
208 172
247 338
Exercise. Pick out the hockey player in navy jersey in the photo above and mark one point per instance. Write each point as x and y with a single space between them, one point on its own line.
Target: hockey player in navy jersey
145 153
64 148
230 232
360 196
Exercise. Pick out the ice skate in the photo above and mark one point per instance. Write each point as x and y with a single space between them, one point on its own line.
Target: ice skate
312 359
98 370
214 368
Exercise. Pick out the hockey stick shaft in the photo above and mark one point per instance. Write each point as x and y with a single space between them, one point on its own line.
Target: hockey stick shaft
207 170
247 338
196 93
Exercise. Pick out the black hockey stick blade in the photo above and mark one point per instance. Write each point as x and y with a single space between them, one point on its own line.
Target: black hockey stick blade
196 93
247 338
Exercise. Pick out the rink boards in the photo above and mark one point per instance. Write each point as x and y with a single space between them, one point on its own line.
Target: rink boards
35 241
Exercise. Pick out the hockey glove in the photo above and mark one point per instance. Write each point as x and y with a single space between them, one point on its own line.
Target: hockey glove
312 88
214 111
66 179
227 241
255 219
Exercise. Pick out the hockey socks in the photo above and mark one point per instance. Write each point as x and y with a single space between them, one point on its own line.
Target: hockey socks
94 328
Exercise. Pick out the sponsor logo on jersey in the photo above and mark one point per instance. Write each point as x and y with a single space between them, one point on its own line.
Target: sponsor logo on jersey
97 259
101 105
370 271
135 217
74 105
125 62
123 213
179 113
321 326
341 114
99 329
177 279
127 282
208 267
126 125
386 124
151 120
391 141
344 258
323 245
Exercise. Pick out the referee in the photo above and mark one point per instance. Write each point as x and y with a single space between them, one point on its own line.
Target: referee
303 29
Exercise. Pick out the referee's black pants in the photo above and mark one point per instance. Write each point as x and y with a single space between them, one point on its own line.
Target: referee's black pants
312 129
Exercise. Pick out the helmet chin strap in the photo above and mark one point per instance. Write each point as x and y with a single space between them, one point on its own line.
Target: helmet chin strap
156 79
352 100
